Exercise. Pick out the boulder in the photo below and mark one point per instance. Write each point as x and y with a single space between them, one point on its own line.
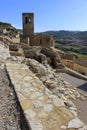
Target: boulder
29 53
49 52
56 63
41 58
50 84
15 53
53 58
24 46
13 47
36 67
32 52
75 123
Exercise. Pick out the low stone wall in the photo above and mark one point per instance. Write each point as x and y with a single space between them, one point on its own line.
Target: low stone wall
75 66
76 74
42 109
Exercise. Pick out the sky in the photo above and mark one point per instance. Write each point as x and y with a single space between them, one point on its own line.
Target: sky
48 14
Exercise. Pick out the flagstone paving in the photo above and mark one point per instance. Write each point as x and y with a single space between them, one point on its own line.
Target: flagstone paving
42 109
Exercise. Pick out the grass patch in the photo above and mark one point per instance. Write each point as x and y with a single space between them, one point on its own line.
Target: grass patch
82 57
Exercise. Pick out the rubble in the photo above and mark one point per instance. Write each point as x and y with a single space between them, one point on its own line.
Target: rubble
48 88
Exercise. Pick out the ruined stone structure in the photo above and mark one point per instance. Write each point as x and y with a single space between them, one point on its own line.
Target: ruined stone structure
43 96
44 40
28 33
79 66
28 28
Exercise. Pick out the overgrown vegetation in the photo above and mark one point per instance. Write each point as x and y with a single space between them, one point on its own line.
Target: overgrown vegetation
72 49
5 24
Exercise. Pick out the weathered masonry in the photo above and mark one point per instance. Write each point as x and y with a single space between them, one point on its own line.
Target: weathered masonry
44 40
28 36
79 66
28 28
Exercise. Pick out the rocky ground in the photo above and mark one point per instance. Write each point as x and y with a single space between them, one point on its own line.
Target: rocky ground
81 104
11 116
63 89
42 109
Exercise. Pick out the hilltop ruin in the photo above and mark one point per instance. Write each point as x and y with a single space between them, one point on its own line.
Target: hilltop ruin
43 96
29 37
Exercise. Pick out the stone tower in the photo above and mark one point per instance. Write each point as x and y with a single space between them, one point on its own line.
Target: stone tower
28 27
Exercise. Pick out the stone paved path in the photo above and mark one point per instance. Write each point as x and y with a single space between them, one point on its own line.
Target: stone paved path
82 87
43 110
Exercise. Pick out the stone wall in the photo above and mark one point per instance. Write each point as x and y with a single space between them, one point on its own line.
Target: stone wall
28 26
81 69
75 66
24 40
68 63
43 40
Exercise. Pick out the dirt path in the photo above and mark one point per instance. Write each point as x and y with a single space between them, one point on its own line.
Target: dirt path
81 85
11 116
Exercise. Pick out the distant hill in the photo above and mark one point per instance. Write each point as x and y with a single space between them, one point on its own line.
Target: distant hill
68 34
70 41
5 24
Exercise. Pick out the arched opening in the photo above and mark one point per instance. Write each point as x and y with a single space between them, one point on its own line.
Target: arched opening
27 20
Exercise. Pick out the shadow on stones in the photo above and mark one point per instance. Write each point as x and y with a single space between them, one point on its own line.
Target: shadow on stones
83 87
24 125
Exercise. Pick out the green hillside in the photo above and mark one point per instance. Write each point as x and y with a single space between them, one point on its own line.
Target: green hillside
70 41
68 34
5 24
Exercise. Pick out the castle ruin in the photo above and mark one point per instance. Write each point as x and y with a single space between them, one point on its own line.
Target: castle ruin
28 36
